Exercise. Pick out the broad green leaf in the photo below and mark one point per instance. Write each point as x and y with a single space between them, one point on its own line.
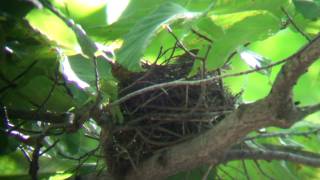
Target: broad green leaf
226 21
87 13
133 13
54 29
88 47
308 81
70 142
232 6
39 90
250 29
271 170
274 48
78 69
137 40
310 27
205 24
81 70
13 164
309 8
254 60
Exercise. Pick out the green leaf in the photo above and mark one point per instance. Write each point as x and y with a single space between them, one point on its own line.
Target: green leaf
53 28
206 25
81 70
308 8
252 28
275 48
39 90
254 60
110 89
137 40
88 47
233 6
71 142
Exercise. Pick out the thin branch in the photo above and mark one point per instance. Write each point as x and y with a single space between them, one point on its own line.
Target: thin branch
245 169
33 115
34 164
6 80
174 48
24 72
294 24
205 176
261 170
283 134
233 54
25 154
307 110
201 35
226 173
180 44
50 147
296 156
45 101
97 77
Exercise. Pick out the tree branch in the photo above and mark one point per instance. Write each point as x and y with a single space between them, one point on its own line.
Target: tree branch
307 110
296 156
34 115
283 134
276 109
298 65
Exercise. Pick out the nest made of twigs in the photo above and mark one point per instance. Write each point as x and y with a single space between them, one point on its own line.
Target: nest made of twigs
164 117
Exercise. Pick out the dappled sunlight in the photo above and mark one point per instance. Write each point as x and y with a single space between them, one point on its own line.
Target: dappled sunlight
71 75
115 9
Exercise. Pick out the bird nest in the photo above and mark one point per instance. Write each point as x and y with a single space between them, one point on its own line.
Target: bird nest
164 117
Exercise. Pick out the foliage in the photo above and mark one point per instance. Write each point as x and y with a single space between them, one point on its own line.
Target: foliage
61 62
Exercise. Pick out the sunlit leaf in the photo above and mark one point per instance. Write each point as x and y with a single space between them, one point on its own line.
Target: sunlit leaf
254 60
275 48
232 6
136 41
206 25
252 28
54 28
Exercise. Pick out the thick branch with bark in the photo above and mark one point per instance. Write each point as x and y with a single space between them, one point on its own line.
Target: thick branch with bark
277 109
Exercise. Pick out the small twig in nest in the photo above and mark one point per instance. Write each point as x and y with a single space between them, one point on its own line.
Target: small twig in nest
180 44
